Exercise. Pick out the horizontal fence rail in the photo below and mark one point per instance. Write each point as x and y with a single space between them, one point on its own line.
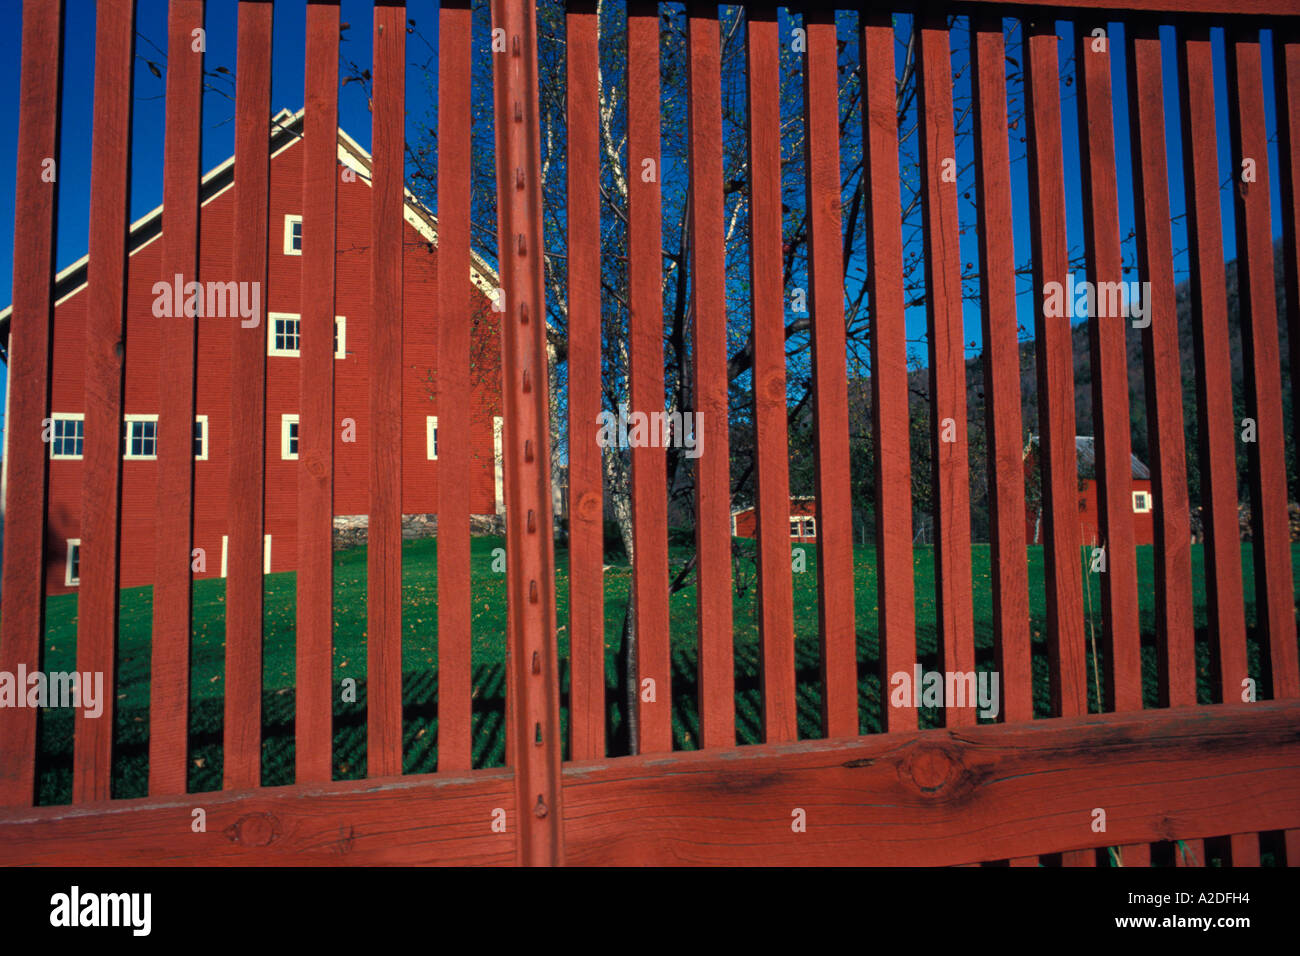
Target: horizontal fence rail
638 215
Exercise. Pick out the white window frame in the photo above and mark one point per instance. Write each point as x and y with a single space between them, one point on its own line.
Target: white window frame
498 463
68 579
809 526
796 526
202 420
67 417
289 222
431 437
1146 497
127 422
285 437
340 336
271 318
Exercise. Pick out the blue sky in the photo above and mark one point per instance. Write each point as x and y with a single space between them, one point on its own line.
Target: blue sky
287 91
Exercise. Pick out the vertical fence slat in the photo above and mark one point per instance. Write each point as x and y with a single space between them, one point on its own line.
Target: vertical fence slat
771 449
646 340
1286 59
384 548
1244 849
105 351
1122 673
586 498
454 153
243 709
889 386
1216 424
533 710
1054 348
22 624
717 702
314 645
835 582
1054 352
169 681
1001 371
948 426
1271 538
1175 639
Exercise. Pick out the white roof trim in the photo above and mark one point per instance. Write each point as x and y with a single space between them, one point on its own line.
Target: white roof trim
415 213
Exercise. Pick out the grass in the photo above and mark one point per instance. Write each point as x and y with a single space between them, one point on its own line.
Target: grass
130 764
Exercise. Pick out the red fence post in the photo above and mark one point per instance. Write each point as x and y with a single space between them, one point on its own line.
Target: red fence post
384 551
244 582
455 710
28 386
315 605
534 709
169 684
101 515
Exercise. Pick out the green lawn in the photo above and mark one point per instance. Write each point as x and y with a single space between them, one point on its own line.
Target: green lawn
420 653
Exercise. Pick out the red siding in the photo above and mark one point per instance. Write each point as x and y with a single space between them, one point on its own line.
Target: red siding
419 359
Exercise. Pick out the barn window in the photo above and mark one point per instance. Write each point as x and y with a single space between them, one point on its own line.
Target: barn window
289 436
431 437
72 570
1141 502
810 527
293 235
282 331
200 437
284 335
67 435
140 437
796 528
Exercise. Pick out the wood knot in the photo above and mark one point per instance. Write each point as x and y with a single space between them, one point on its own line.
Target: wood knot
774 387
929 768
254 829
588 506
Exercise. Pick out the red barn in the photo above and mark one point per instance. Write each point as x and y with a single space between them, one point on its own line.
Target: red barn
803 520
280 307
1144 526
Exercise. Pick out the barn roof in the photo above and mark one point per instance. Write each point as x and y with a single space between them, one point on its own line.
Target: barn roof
286 131
1085 450
751 507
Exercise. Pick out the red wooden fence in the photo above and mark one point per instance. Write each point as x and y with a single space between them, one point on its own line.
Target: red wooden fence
1013 790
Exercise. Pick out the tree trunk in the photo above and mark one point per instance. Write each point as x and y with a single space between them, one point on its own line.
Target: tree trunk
627 659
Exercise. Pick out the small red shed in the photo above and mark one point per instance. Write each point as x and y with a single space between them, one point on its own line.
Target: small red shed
803 520
1089 521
